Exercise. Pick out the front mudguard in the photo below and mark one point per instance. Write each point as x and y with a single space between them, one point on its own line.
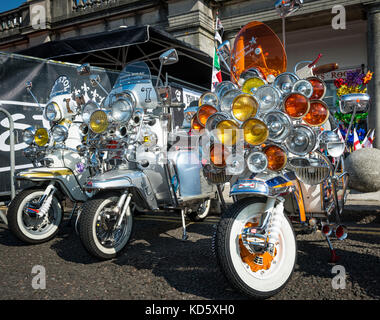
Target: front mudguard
121 179
65 177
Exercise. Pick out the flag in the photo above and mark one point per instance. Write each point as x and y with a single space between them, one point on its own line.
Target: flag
216 72
357 144
340 135
368 140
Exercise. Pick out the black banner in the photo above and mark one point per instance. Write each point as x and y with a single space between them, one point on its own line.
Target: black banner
15 71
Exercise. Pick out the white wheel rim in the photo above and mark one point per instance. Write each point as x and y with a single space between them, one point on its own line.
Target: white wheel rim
126 232
47 231
279 272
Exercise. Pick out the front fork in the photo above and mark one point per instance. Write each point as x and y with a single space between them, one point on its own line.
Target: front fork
44 203
267 233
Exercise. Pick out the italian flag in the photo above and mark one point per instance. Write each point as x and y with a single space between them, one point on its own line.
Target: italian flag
216 72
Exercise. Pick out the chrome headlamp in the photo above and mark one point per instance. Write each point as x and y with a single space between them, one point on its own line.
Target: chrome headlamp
330 141
208 98
52 112
28 135
257 162
268 97
279 125
59 133
122 110
285 81
234 164
88 109
301 140
303 86
223 87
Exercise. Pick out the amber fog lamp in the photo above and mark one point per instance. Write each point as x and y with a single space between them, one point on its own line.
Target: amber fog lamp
276 156
208 98
204 112
218 155
296 105
244 106
250 85
227 132
318 113
255 131
195 124
319 88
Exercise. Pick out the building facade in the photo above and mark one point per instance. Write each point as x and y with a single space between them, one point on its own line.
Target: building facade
353 43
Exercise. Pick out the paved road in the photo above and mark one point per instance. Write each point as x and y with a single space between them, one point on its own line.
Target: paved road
158 265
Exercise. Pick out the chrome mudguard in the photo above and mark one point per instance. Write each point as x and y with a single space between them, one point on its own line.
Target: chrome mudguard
123 179
265 184
64 176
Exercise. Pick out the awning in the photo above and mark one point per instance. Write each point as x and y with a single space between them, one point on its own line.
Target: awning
113 49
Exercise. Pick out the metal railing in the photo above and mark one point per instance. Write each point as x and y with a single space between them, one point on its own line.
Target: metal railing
12 158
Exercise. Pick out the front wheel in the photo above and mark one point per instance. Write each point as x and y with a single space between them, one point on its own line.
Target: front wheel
98 228
256 274
24 221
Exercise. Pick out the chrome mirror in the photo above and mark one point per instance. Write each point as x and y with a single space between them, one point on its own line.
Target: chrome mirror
94 79
169 57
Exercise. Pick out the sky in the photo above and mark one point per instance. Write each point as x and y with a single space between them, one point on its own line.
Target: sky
6 5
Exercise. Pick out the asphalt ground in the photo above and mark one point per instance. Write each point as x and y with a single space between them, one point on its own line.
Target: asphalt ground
158 265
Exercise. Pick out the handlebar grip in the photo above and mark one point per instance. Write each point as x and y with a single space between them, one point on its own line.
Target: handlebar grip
325 68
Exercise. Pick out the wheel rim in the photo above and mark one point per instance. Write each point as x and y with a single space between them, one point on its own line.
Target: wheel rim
35 227
280 268
106 238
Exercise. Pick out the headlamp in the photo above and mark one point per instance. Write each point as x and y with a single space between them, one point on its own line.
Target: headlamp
218 155
285 81
195 124
330 141
319 88
88 109
59 133
276 156
41 137
28 135
121 110
255 131
234 164
296 105
303 86
226 100
301 140
227 132
208 98
244 106
99 121
252 84
223 87
204 112
52 112
268 97
279 125
318 113
257 162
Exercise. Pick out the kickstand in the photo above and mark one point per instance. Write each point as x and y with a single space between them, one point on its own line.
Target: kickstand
184 234
333 258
